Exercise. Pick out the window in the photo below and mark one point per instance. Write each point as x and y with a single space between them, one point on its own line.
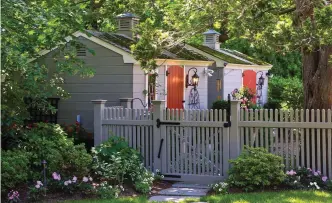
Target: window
38 115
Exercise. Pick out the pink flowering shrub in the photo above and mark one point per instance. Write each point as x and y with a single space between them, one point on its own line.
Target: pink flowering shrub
13 196
37 191
306 178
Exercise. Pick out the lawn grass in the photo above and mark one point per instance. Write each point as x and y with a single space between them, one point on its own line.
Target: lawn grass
273 197
261 197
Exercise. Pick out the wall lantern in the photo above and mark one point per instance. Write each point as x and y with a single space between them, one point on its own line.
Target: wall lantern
194 79
261 79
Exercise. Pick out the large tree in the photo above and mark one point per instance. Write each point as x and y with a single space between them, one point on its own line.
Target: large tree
275 25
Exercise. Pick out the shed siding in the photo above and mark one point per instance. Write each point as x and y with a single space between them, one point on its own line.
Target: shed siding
232 80
139 85
212 85
202 87
113 79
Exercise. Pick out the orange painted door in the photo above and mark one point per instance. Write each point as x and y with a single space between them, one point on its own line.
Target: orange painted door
249 81
175 87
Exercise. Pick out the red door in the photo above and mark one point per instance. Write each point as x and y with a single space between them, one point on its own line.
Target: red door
175 87
249 81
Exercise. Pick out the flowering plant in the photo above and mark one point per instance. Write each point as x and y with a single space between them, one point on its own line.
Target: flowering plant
36 191
158 175
106 191
245 95
304 177
143 182
13 196
221 187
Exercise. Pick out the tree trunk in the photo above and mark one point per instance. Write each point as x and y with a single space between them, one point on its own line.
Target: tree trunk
317 78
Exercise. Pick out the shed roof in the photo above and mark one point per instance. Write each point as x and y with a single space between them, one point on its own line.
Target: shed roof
123 42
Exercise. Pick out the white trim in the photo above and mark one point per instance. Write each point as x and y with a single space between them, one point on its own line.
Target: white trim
248 67
183 62
127 57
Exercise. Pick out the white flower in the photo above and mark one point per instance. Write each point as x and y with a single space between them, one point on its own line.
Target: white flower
65 183
85 179
295 181
311 183
39 183
219 189
317 187
162 176
116 195
69 181
157 170
74 179
216 185
90 179
37 186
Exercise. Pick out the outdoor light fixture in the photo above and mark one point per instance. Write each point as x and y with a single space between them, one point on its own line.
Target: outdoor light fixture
194 79
261 79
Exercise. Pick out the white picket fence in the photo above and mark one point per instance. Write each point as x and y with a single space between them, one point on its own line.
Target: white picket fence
194 145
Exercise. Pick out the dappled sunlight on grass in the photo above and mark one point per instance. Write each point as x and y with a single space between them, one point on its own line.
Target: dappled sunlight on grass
323 194
273 197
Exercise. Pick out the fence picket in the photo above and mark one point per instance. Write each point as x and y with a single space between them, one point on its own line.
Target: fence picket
307 117
324 143
329 142
313 135
266 134
302 140
198 151
319 166
286 141
276 131
271 134
297 154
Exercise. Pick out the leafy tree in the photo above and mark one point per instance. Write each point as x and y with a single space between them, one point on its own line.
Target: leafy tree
303 25
29 27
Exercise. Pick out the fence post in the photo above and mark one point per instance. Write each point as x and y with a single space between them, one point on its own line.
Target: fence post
126 102
234 138
158 107
98 115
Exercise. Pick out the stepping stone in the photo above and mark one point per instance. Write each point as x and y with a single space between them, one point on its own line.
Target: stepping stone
190 185
184 192
171 198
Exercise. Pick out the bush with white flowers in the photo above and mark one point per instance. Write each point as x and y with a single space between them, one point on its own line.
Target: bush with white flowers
220 188
115 162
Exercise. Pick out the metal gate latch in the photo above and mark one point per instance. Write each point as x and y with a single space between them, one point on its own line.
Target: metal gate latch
166 123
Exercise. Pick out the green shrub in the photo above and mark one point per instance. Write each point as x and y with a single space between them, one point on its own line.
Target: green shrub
49 142
115 162
285 93
256 168
220 104
14 168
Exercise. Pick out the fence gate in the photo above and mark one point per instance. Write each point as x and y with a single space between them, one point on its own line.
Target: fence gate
194 145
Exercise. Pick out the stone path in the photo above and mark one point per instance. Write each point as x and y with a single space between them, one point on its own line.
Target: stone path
180 191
